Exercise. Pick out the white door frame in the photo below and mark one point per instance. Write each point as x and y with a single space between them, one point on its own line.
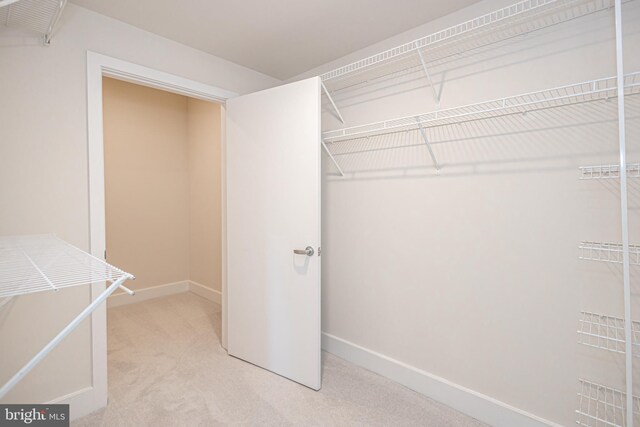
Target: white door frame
98 66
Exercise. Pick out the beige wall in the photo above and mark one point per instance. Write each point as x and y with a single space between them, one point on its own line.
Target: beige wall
146 182
205 199
43 172
472 274
162 169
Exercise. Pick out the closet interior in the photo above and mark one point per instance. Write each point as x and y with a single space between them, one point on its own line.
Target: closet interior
163 188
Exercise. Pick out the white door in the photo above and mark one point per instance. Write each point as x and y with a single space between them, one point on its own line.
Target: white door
273 208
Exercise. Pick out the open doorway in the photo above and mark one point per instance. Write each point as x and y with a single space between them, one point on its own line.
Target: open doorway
163 202
163 218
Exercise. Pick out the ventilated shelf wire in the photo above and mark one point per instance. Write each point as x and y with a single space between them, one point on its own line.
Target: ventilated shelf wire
601 406
593 90
44 262
608 252
518 19
606 332
35 15
608 171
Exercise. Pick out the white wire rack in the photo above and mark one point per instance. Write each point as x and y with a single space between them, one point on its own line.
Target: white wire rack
608 171
592 90
44 262
40 263
608 252
518 19
601 406
606 332
40 16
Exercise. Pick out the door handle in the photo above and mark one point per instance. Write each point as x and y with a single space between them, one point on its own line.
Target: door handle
308 251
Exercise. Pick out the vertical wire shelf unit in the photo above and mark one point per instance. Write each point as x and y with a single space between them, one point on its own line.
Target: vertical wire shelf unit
45 263
598 405
39 16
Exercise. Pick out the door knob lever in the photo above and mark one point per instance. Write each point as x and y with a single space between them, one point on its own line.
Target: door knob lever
308 251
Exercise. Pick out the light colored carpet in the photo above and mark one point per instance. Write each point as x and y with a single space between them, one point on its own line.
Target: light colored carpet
167 368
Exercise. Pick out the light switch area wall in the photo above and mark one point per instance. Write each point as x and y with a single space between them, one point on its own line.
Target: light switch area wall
162 182
472 273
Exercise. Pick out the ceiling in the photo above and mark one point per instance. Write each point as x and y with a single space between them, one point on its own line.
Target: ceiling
281 38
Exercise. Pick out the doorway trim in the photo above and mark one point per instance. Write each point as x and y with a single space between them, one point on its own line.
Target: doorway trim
99 66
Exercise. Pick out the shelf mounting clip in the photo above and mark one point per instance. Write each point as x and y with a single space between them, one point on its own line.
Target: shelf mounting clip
335 107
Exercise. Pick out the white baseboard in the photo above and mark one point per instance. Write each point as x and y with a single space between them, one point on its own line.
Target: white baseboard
144 294
472 403
81 403
205 292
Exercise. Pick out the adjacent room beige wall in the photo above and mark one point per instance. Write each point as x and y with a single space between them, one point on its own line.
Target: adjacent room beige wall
162 179
44 170
146 182
205 200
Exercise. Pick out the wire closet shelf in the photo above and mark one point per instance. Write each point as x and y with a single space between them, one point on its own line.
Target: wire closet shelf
592 90
40 16
608 252
44 262
601 406
515 20
608 171
39 263
606 332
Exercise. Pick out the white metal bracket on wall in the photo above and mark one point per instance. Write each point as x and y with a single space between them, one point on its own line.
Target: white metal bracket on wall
423 132
436 97
326 149
335 107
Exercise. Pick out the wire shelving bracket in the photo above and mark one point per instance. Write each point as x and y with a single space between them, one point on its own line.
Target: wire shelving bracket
38 263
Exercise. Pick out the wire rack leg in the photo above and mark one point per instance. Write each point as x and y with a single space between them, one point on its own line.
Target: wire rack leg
58 338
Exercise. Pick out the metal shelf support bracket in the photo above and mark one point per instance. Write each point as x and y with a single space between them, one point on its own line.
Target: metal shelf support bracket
436 97
335 107
423 132
326 149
